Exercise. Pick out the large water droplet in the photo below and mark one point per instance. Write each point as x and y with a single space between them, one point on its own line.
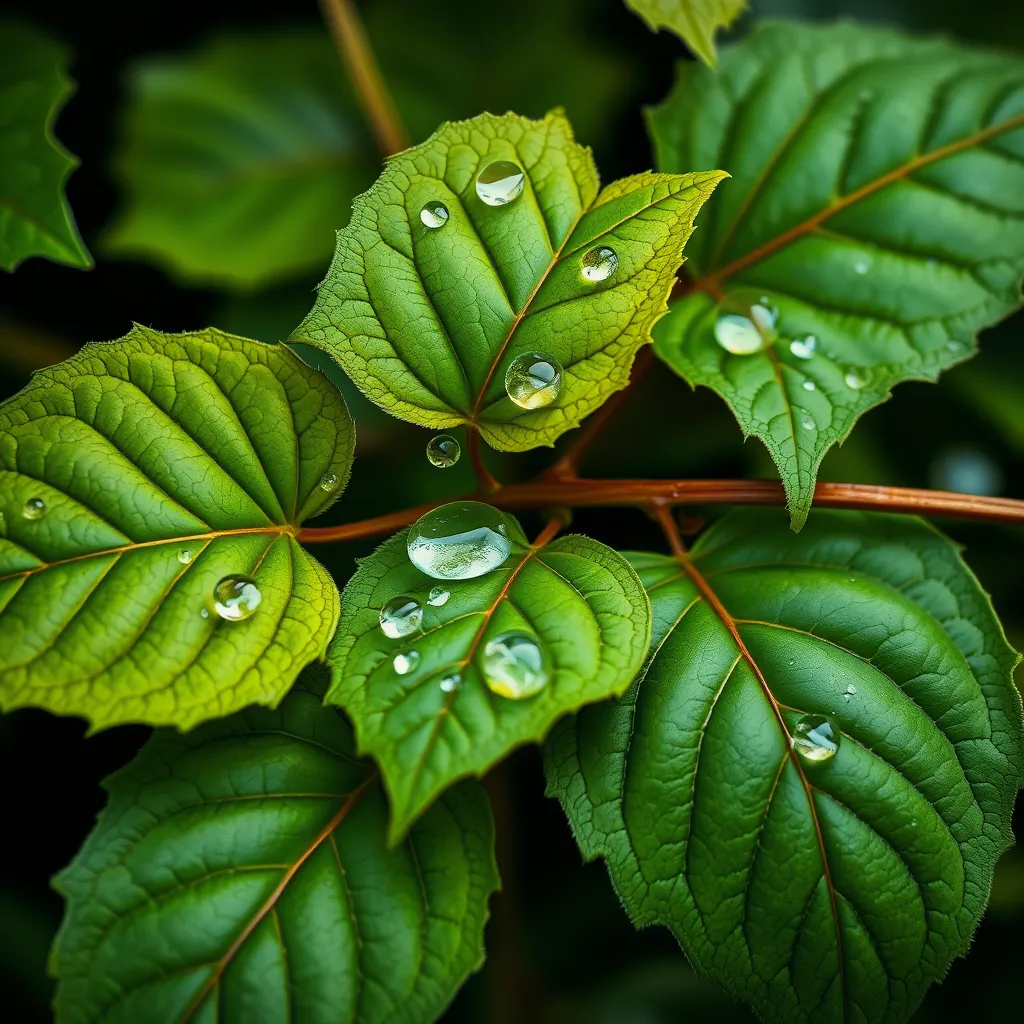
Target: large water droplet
185 556
746 323
329 482
434 214
854 381
804 349
600 263
443 451
814 739
236 598
405 661
438 596
451 683
500 182
34 508
533 380
459 541
401 616
809 385
514 665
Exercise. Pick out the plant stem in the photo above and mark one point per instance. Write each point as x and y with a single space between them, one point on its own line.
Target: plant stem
486 483
349 35
663 513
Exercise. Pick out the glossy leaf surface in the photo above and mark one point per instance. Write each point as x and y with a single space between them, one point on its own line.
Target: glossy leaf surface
35 218
827 890
240 873
694 21
240 160
580 600
133 478
877 202
427 318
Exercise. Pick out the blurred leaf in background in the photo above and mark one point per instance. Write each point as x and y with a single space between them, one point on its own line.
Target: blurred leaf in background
694 21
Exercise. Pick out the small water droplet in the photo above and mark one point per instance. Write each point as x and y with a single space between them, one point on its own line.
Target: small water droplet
913 822
405 661
236 598
434 214
34 508
809 385
861 266
184 556
745 323
851 689
329 482
600 263
814 739
804 349
807 423
514 665
443 451
204 613
533 380
401 616
459 541
500 182
451 683
954 346
854 381
438 596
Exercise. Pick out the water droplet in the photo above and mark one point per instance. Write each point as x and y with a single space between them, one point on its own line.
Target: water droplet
401 616
34 508
329 482
184 556
854 381
500 182
438 596
533 380
861 266
913 822
451 683
514 665
814 739
808 385
954 346
459 541
804 349
405 661
236 598
807 423
746 323
443 451
600 263
434 214
204 613
851 689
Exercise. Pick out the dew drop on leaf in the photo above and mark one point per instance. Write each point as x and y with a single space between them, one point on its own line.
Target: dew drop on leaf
236 598
804 349
451 683
854 381
814 739
861 266
329 482
500 182
434 214
400 617
600 263
745 323
34 508
205 613
405 661
808 385
438 596
514 665
443 451
459 541
184 556
533 380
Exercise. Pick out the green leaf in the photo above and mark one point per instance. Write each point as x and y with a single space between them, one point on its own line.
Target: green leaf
579 598
694 21
35 219
427 320
240 160
240 873
164 463
830 890
877 201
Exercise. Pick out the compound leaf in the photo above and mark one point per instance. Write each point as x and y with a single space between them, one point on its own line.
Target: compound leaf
877 202
581 600
426 320
694 21
133 478
240 872
35 219
830 889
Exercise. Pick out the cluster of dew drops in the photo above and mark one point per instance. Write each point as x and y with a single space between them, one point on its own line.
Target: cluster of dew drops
533 380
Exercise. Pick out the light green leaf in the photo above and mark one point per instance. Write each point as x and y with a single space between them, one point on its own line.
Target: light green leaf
240 160
427 320
35 219
133 478
877 201
240 873
580 599
694 21
828 890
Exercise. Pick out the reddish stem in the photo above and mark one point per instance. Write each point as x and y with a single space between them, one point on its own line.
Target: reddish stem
486 483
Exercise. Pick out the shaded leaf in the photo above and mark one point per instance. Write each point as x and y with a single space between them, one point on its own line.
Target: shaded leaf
427 320
240 160
239 872
694 21
151 468
877 201
830 890
579 598
35 218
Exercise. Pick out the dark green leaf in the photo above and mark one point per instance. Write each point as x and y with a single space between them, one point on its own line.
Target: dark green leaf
427 320
579 598
133 478
240 873
694 21
877 201
830 890
240 161
35 219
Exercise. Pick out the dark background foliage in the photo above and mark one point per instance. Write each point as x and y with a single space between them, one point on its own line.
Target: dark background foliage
561 948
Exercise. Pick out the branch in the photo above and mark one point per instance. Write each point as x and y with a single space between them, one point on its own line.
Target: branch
349 35
485 481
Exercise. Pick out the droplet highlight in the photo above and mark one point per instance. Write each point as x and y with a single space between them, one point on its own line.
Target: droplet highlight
814 739
443 451
804 349
451 683
329 482
400 617
861 266
459 541
438 597
809 385
185 556
236 598
745 323
854 381
600 263
514 665
500 183
434 214
533 380
34 508
405 662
